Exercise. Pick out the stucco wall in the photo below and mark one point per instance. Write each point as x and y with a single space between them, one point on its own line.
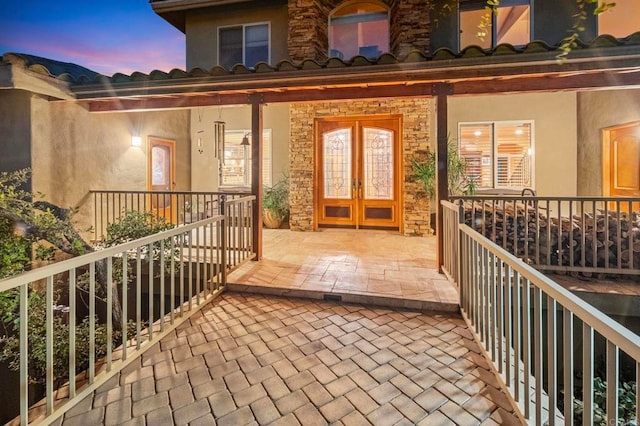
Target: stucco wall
75 151
598 110
204 171
15 130
202 30
555 137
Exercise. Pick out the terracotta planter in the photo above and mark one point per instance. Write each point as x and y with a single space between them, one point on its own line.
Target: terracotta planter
270 219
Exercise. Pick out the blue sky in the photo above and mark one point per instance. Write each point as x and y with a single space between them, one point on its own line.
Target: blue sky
105 36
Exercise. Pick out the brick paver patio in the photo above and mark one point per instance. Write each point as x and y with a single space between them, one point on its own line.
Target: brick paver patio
249 359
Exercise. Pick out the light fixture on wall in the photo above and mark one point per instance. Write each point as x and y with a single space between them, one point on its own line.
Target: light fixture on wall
200 133
136 141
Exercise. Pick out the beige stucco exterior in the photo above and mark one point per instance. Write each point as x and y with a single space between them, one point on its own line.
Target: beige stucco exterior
202 31
598 110
204 166
555 132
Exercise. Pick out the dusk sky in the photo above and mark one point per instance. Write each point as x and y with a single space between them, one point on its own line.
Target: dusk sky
105 36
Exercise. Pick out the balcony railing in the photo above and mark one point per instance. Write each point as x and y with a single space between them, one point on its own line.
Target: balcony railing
177 207
128 297
589 235
543 341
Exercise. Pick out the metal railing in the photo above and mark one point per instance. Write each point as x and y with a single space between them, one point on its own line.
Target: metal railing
543 341
238 213
571 234
177 207
127 296
450 222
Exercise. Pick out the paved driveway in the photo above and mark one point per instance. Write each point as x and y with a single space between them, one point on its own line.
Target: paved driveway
265 360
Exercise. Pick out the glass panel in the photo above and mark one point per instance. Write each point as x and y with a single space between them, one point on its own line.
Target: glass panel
336 153
476 148
256 44
513 25
378 164
470 34
159 165
622 20
359 29
513 155
230 51
236 170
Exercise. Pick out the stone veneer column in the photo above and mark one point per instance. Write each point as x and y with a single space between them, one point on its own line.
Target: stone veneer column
415 138
309 19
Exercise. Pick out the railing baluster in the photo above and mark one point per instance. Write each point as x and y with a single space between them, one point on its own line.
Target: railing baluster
49 344
172 284
138 297
552 356
501 310
571 240
72 332
567 356
583 236
508 322
162 285
612 383
526 345
92 322
24 354
619 236
150 296
125 314
537 351
587 375
517 333
605 246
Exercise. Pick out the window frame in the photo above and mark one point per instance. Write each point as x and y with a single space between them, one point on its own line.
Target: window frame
349 3
494 152
244 46
480 5
267 148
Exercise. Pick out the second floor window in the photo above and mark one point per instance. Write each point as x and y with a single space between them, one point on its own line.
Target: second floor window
360 28
511 24
243 44
499 155
621 20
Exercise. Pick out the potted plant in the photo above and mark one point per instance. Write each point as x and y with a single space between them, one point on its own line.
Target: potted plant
425 170
275 203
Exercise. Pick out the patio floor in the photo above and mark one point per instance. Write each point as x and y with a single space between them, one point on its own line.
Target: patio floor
253 359
360 266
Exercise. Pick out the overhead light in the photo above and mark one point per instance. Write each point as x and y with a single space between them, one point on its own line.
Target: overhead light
136 141
477 133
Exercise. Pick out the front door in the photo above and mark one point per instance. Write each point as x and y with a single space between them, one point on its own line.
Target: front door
622 162
161 177
357 172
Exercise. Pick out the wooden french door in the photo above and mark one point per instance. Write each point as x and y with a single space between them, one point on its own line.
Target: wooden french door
622 162
161 172
357 172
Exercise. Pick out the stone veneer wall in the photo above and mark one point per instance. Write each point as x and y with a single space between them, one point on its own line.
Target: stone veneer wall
308 27
415 137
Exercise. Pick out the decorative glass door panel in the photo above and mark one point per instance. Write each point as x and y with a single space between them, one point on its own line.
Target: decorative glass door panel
357 172
161 176
338 159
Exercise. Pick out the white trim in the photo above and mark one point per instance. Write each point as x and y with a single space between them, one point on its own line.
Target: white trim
244 26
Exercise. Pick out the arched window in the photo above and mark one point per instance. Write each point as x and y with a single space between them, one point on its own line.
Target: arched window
359 28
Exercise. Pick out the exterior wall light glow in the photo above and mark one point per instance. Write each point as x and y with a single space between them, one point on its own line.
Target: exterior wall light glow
136 141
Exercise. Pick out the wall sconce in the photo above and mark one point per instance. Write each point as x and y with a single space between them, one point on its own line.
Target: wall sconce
200 133
136 141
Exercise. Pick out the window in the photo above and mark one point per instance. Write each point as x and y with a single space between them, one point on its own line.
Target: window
360 28
236 170
511 24
498 155
243 44
621 20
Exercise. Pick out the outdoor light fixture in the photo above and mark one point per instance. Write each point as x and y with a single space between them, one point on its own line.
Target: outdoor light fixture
200 133
136 141
245 139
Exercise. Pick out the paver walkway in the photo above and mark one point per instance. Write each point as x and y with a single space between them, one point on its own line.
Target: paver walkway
249 359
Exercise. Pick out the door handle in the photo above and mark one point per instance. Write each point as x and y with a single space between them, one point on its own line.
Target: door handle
354 194
360 189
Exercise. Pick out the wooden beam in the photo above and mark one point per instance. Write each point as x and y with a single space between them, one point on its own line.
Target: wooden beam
442 189
256 172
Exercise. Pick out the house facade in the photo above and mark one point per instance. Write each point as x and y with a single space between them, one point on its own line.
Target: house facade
343 95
